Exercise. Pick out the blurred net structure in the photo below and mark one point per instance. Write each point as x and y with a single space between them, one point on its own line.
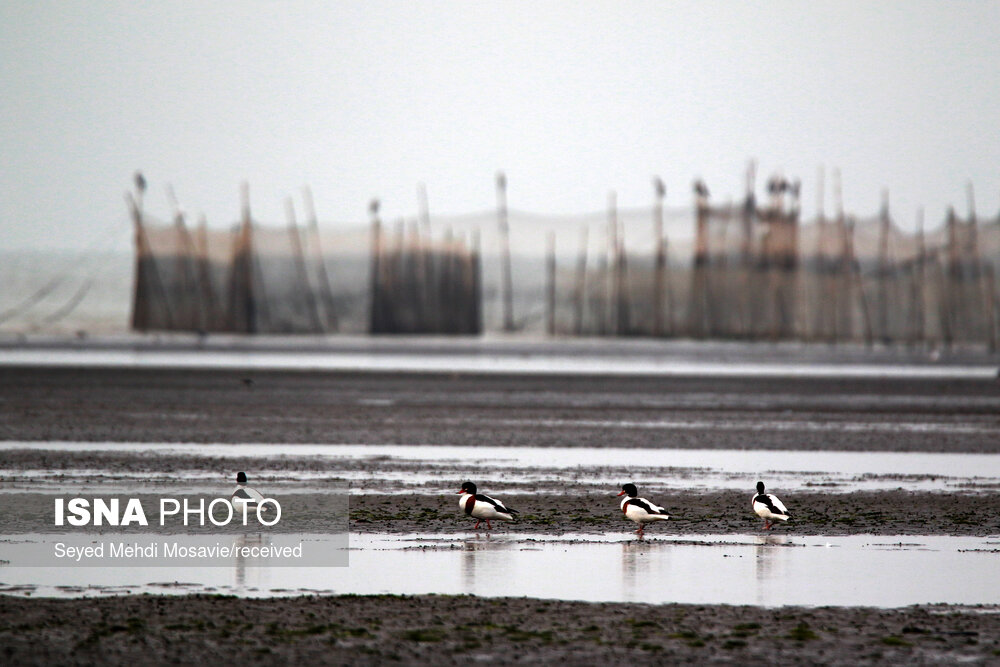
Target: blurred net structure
248 279
420 286
737 270
265 279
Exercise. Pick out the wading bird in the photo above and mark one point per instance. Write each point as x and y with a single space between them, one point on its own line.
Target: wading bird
246 497
768 507
639 509
481 507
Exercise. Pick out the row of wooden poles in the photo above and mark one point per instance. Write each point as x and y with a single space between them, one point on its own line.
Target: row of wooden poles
417 284
762 290
182 292
895 307
608 291
420 286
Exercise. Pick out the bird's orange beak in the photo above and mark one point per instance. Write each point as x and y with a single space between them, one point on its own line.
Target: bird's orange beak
461 491
622 493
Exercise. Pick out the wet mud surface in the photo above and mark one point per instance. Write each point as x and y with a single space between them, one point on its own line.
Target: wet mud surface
877 513
396 495
803 413
193 406
462 630
410 496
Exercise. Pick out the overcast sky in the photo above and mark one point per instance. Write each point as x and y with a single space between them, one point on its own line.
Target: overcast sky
571 99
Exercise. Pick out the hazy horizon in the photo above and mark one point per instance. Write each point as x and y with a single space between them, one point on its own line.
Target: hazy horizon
571 100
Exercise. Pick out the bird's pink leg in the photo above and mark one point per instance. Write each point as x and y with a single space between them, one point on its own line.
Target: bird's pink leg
488 526
476 527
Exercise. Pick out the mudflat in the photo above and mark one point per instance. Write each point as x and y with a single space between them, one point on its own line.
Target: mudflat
490 410
370 630
482 411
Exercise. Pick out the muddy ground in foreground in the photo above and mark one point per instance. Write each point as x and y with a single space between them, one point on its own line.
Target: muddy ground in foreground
462 630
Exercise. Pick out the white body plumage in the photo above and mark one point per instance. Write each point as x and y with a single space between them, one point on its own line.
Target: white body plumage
245 495
246 498
482 507
768 507
634 510
638 509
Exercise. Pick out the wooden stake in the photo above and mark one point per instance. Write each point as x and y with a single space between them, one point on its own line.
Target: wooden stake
883 270
580 289
551 291
208 294
322 278
298 258
506 282
377 316
659 257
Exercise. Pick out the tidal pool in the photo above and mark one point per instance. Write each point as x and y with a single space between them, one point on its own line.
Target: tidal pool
391 469
771 570
474 356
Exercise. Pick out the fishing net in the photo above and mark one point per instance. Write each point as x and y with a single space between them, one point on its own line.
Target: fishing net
737 270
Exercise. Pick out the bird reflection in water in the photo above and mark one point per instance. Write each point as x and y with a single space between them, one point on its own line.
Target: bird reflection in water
767 557
642 563
483 561
241 561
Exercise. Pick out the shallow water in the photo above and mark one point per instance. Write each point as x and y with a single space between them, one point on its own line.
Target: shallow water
526 359
401 468
768 570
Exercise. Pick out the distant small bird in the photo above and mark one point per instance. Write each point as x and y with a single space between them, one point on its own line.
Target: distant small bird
482 507
700 188
768 507
639 509
661 189
246 497
776 185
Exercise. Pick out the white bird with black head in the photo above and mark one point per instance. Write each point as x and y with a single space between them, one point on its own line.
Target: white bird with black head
768 507
640 510
246 497
481 507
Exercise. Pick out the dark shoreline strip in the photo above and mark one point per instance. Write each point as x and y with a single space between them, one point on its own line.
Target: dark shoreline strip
449 630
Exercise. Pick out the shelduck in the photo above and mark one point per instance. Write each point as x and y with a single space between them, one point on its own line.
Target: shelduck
768 507
246 496
481 507
639 509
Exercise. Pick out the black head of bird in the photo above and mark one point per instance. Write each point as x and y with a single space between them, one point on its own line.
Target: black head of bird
760 487
468 487
241 478
629 490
